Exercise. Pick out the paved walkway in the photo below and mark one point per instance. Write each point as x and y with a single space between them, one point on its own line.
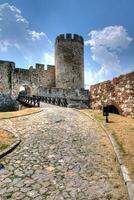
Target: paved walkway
63 155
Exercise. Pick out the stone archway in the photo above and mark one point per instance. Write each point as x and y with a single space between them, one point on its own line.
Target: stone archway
114 108
25 90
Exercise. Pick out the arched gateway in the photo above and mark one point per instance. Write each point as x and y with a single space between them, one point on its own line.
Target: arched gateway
113 107
25 90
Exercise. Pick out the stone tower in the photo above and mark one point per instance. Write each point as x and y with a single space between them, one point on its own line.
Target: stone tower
69 61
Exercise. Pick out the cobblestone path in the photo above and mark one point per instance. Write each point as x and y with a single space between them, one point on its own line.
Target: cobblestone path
63 155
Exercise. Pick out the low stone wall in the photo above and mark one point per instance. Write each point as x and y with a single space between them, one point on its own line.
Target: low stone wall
75 98
7 103
118 92
60 92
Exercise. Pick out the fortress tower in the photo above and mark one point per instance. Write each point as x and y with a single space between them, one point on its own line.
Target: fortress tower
69 61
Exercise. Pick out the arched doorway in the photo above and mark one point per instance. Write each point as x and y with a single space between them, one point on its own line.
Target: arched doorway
113 109
25 90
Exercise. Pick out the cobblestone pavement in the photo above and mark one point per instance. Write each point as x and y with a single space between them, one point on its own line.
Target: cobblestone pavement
63 155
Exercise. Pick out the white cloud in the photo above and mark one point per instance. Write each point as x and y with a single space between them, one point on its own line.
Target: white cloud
113 37
17 38
106 46
48 58
36 35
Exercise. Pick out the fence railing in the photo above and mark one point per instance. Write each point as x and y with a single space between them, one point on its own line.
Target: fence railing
34 101
29 101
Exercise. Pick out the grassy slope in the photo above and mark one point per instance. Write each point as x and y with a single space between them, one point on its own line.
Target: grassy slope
122 129
28 111
6 139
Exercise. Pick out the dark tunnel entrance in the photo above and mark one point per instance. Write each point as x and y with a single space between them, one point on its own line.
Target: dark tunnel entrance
113 109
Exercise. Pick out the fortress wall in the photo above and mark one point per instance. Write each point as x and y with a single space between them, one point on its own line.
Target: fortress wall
118 92
21 77
61 92
33 78
47 77
6 72
7 103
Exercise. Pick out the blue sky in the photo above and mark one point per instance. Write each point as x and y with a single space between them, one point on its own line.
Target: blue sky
28 29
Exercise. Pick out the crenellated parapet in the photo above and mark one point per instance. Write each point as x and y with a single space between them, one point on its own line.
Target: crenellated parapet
70 37
39 67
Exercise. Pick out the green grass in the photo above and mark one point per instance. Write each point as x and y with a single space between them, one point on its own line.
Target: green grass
99 116
119 143
3 146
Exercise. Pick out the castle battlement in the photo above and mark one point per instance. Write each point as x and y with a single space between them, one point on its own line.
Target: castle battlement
39 67
70 37
6 64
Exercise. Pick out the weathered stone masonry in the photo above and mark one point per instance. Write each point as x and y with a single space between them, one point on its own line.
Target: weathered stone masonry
11 78
6 85
69 72
66 79
69 61
34 78
6 74
118 92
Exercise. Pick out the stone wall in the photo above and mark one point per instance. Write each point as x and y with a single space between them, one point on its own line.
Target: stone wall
69 61
11 78
75 98
6 73
46 78
118 92
60 92
34 78
7 103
